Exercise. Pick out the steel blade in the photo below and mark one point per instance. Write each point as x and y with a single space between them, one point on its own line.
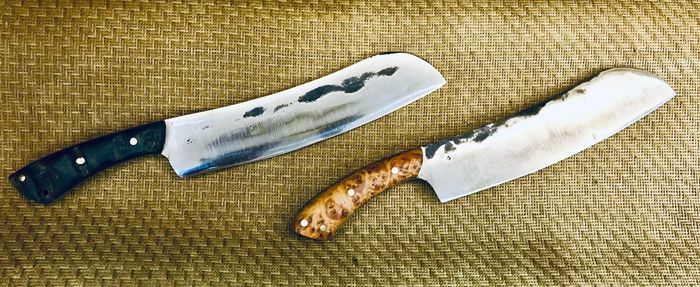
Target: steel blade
542 135
295 118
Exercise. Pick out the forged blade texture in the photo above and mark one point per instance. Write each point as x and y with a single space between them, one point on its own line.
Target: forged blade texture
542 135
295 118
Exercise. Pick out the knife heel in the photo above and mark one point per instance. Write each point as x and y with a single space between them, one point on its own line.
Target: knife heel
323 215
47 179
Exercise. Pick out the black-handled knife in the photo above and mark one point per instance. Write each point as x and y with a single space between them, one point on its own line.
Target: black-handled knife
244 132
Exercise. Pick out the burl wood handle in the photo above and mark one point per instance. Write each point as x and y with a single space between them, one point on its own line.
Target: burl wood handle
321 217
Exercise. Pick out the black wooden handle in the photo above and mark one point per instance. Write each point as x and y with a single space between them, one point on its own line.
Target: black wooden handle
47 179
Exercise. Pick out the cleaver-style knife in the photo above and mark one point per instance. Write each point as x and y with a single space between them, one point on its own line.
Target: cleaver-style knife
244 132
498 152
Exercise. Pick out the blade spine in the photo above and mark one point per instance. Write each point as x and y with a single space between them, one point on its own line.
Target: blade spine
279 94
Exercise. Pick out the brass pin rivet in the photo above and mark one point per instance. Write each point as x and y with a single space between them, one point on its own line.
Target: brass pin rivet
394 170
351 192
22 178
323 228
304 223
133 141
80 160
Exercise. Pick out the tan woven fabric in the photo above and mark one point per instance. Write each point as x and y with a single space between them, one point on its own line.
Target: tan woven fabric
626 211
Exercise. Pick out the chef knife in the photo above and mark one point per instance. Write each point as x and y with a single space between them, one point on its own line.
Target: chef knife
498 152
244 132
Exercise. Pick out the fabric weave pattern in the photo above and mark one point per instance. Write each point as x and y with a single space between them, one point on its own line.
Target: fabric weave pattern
624 212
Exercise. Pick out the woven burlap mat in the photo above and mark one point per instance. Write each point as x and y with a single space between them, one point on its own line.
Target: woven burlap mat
626 211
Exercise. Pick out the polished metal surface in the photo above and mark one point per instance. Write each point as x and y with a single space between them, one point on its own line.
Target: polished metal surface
295 118
542 135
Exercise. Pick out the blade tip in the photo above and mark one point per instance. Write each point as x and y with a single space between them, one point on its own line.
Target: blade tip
669 92
409 57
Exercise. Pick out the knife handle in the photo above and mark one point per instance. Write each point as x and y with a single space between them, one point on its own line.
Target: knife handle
323 215
47 179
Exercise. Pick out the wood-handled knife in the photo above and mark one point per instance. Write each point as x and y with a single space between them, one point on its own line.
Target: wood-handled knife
498 152
244 132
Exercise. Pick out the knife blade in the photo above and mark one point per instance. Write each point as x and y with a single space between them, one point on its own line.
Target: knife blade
533 139
244 132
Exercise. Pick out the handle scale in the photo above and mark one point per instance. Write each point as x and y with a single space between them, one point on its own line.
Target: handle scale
47 179
321 217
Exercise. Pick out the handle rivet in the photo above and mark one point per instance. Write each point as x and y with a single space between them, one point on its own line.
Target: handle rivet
395 170
80 160
22 178
133 141
351 192
304 223
323 228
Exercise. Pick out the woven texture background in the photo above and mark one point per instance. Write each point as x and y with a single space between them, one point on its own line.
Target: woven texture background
626 211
